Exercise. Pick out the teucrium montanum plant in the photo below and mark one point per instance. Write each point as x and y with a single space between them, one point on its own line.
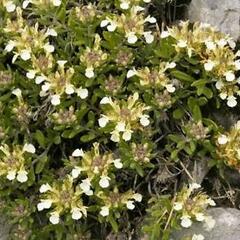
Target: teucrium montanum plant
95 101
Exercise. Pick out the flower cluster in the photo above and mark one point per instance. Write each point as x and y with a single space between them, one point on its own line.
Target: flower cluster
155 78
228 146
130 23
126 116
215 52
115 200
191 205
62 196
27 40
15 163
93 57
95 167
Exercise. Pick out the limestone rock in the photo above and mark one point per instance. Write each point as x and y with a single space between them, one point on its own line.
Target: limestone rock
227 226
223 14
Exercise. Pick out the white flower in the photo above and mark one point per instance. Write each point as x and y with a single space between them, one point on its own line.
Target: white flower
46 86
124 5
230 76
171 65
85 185
104 211
237 64
147 1
223 139
194 186
104 181
137 197
150 19
231 43
117 163
209 65
219 85
76 213
112 26
31 74
69 89
222 42
223 95
61 63
25 3
78 153
130 205
131 73
178 206
103 121
164 34
127 135
120 126
11 175
54 218
182 44
131 38
186 221
10 6
115 137
82 93
76 172
56 3
170 88
48 48
28 147
22 176
9 47
104 23
44 188
211 202
89 73
44 204
40 79
55 99
144 120
231 101
209 223
149 37
52 32
25 54
210 45
198 237
17 92
105 100
200 217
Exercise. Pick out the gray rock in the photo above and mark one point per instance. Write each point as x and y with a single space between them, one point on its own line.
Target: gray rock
227 226
4 229
223 14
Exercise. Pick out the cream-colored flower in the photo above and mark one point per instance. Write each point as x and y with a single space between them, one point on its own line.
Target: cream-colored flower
104 211
104 181
54 218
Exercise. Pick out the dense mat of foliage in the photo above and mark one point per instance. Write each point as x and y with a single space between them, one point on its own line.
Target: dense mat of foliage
104 113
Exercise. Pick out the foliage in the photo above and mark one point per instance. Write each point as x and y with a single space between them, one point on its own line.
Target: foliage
95 101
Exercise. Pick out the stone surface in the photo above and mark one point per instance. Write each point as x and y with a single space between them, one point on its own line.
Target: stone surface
224 14
4 229
227 226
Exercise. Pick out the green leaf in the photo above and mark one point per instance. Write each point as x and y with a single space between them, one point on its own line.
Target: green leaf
178 113
40 138
182 76
88 137
197 115
200 82
41 164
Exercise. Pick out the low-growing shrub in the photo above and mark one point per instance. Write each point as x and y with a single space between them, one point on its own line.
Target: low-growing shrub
101 109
